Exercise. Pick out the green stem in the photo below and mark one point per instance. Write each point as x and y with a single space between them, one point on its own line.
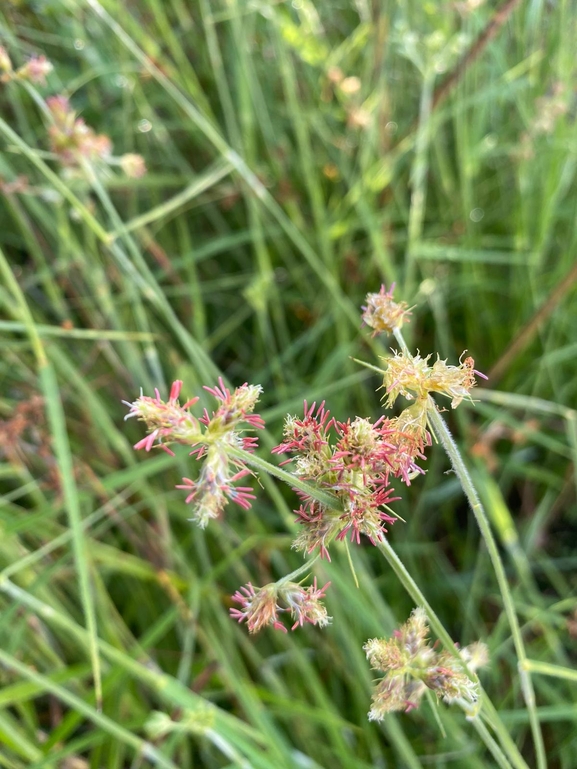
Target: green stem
169 690
446 439
206 180
306 567
444 436
419 181
56 182
25 313
324 497
546 669
112 728
63 455
496 751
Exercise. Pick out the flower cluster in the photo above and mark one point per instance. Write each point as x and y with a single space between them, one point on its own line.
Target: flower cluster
210 436
34 71
72 140
412 377
351 465
261 607
411 666
382 313
355 467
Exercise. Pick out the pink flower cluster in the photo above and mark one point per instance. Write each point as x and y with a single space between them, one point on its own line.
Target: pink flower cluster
382 313
356 467
211 436
167 421
261 607
70 137
72 140
350 463
35 70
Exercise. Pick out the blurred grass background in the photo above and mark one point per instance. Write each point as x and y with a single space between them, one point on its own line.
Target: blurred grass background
300 154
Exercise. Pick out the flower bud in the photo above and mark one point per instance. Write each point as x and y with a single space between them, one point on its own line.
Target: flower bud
36 70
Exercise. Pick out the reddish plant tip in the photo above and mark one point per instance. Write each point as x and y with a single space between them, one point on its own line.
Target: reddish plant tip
175 389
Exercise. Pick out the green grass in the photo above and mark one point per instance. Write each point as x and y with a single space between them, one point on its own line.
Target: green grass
266 216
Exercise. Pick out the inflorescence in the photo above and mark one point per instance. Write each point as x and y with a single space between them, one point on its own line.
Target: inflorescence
411 666
210 437
352 463
382 313
261 606
356 468
72 141
34 70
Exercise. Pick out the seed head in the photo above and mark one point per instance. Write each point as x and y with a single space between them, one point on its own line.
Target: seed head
411 666
166 421
409 437
133 165
210 438
35 70
412 377
453 381
261 607
309 436
382 313
355 469
405 375
304 604
70 138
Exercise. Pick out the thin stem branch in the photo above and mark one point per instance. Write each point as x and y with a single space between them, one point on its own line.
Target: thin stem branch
310 489
437 626
496 751
306 567
419 182
446 439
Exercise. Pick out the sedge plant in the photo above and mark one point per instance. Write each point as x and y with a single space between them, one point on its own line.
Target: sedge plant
346 474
